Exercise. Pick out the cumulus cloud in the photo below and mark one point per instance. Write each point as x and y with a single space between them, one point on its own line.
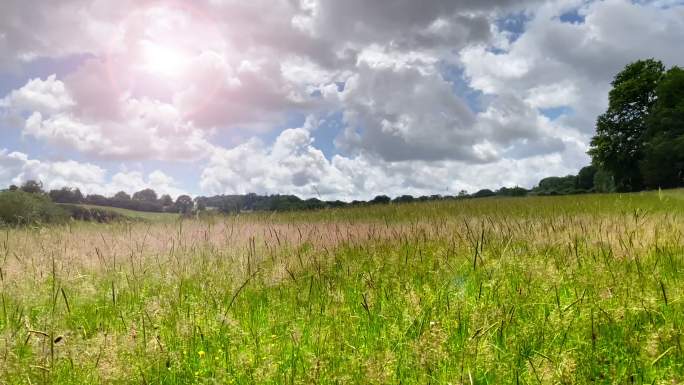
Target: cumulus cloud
433 95
147 129
17 168
401 114
131 181
556 63
42 96
405 24
293 165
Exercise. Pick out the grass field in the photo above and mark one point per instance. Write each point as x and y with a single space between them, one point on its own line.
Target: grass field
150 216
557 290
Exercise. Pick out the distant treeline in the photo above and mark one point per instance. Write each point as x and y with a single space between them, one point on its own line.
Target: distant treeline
30 204
589 179
143 200
19 207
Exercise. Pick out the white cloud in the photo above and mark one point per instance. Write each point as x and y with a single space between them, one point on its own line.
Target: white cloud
292 165
559 94
132 181
143 128
555 63
43 96
35 29
17 168
390 67
402 114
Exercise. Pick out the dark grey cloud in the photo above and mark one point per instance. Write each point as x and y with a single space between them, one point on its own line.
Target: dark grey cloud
402 114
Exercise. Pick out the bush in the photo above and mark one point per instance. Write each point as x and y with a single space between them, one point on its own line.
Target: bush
380 199
19 207
484 193
92 214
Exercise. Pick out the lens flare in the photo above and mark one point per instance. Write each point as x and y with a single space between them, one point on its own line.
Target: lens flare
163 60
156 49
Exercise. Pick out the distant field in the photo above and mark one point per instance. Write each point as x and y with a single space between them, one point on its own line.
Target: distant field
135 214
539 290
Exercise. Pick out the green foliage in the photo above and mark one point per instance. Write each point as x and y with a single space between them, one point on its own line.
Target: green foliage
146 195
619 141
380 199
604 181
92 214
640 139
556 185
145 216
32 187
19 208
66 195
512 191
585 178
166 200
663 164
122 196
403 199
143 201
484 193
184 204
663 161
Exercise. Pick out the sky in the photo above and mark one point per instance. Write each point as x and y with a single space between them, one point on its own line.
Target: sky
317 98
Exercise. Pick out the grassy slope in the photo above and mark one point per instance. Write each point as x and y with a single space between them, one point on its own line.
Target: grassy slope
583 289
135 214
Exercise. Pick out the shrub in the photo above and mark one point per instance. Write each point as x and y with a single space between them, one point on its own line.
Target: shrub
484 193
19 207
92 214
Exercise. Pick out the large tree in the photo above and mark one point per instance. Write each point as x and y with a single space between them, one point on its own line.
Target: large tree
66 195
618 146
166 200
146 195
32 187
585 178
663 160
122 196
184 204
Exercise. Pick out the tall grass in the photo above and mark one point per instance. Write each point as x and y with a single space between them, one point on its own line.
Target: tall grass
534 290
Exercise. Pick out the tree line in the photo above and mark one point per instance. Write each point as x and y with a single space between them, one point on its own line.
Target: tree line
143 200
148 200
639 144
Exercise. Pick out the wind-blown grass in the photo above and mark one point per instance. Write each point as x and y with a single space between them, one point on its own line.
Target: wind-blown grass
567 290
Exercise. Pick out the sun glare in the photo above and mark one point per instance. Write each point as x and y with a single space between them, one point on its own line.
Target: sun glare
163 60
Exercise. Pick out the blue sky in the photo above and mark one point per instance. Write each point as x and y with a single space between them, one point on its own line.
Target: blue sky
193 98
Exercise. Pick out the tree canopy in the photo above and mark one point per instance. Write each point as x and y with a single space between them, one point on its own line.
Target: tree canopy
66 195
146 195
639 140
32 187
184 204
663 159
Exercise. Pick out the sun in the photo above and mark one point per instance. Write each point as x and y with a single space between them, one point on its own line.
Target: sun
163 60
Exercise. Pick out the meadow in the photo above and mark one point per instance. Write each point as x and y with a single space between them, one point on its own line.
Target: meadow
536 290
132 214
